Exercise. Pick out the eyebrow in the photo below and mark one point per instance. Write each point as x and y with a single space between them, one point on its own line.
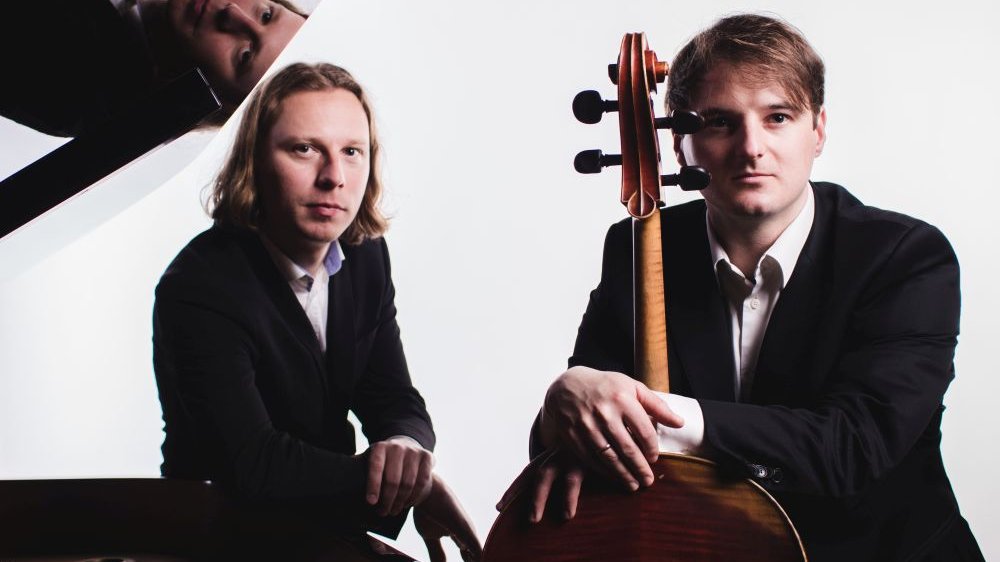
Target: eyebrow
294 138
782 106
357 142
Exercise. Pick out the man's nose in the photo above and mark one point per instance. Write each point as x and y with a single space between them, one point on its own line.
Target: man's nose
752 143
330 174
232 19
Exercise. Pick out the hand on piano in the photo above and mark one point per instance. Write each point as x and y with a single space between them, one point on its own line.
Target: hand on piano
399 474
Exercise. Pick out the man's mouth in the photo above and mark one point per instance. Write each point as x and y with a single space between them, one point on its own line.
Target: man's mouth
751 175
326 209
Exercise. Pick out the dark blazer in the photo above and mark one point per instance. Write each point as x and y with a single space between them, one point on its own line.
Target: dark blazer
250 402
843 425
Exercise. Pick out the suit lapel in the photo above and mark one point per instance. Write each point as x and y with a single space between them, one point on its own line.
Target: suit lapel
698 328
785 352
282 297
340 330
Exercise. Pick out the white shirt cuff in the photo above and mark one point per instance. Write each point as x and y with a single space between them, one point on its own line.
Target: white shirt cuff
687 439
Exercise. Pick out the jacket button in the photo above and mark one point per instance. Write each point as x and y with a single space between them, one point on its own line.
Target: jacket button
777 475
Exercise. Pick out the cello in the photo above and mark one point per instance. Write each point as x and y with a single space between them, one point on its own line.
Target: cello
692 512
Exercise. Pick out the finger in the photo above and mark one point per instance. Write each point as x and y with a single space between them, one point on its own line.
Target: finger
543 487
643 431
468 556
409 467
376 463
589 447
657 409
423 483
608 457
630 453
614 465
420 464
392 474
464 536
434 549
468 544
574 481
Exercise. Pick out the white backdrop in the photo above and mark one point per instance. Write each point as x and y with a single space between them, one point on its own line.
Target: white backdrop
496 241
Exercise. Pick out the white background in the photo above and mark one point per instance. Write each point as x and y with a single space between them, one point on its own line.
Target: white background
496 241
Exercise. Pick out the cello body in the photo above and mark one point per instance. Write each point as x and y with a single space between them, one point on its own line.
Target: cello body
690 514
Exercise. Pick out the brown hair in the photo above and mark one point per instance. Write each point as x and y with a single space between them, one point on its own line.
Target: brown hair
234 193
772 48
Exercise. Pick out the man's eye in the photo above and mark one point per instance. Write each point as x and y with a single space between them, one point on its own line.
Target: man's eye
781 118
720 122
267 16
301 148
352 151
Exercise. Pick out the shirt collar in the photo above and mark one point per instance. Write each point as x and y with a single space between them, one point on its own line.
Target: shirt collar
786 248
292 271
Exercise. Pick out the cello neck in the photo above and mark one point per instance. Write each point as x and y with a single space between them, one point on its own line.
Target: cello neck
649 302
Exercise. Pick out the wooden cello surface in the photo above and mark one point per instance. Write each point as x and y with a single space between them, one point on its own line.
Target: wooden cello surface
689 514
692 512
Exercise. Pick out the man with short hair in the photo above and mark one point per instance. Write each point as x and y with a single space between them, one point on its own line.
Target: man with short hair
811 337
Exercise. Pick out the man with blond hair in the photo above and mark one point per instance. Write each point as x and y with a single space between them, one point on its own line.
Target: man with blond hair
274 323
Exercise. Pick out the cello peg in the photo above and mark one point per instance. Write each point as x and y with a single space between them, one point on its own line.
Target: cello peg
588 107
682 122
660 69
690 178
613 73
591 161
686 122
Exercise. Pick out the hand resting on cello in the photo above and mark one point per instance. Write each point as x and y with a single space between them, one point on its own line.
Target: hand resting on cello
610 423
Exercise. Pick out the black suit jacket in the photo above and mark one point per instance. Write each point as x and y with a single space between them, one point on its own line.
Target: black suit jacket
250 402
843 423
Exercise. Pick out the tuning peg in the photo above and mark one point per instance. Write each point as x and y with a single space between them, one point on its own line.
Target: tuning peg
588 107
613 73
591 161
681 122
690 178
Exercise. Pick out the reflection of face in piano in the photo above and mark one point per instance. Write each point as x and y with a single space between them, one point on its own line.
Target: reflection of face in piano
232 41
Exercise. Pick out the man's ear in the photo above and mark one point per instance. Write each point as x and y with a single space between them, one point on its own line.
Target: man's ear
820 129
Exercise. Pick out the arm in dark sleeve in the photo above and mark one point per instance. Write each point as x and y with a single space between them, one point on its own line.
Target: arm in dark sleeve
385 400
205 366
885 389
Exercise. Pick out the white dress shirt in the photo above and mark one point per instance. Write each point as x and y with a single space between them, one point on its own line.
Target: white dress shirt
751 301
311 291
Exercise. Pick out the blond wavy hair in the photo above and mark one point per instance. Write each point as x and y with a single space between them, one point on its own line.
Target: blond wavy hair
234 197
